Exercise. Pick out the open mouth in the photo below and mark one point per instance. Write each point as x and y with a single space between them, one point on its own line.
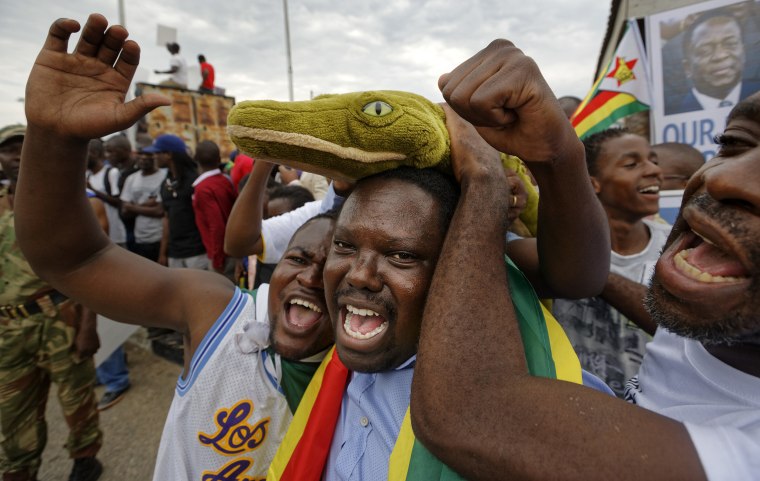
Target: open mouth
702 260
363 324
652 189
302 314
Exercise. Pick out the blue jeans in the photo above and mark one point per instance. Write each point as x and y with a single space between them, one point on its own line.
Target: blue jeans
113 373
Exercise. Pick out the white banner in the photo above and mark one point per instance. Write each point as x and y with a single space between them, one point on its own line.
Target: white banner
112 334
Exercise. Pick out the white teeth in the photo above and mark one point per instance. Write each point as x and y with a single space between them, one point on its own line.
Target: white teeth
354 311
652 189
361 312
683 266
306 304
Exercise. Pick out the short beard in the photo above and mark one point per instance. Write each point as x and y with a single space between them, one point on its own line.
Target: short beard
729 330
738 326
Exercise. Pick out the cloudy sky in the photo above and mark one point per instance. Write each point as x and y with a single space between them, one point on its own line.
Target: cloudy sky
337 46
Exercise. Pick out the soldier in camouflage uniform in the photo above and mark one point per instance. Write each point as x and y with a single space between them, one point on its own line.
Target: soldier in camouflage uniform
41 340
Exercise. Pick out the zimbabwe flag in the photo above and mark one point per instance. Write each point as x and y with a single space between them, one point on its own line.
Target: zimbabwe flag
622 89
303 452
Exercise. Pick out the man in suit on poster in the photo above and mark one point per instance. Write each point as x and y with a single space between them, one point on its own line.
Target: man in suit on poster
714 58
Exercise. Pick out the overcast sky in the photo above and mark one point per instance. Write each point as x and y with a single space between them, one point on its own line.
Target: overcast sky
337 46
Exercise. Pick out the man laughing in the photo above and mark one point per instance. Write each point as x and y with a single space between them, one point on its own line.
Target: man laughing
699 381
387 244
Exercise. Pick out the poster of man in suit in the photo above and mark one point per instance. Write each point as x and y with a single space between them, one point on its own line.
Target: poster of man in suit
705 58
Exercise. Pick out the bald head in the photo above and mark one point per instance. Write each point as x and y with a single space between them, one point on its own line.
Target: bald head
678 163
569 104
207 155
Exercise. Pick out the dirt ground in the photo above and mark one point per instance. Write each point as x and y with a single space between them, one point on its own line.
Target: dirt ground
131 429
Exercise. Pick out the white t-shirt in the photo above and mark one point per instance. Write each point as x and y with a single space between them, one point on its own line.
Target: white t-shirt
228 414
607 343
180 76
116 230
719 404
314 183
138 188
639 267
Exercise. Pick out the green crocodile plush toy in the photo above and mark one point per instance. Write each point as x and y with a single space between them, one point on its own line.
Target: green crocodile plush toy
354 135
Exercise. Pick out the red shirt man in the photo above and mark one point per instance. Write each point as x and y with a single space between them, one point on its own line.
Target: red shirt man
207 73
213 197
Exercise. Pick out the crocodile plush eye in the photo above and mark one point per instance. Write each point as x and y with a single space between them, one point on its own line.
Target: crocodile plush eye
377 108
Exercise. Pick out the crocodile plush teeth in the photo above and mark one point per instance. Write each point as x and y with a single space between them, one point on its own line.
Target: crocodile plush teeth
306 304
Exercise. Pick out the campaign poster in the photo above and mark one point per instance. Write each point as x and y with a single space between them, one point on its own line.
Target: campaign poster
670 204
705 58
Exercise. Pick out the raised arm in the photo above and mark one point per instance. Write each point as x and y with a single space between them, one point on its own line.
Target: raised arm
573 238
471 375
71 98
243 234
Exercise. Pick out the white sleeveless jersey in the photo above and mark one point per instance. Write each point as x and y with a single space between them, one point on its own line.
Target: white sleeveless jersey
228 415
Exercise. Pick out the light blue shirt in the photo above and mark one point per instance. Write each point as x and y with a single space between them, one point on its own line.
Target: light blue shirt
370 419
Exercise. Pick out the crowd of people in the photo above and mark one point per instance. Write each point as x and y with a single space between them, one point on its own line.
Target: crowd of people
391 328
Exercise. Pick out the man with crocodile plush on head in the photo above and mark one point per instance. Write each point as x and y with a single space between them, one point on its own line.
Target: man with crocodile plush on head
386 246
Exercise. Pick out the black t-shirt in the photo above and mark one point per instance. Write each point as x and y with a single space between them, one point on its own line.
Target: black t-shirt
184 237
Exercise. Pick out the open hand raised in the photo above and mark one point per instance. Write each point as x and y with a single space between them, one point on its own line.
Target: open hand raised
81 94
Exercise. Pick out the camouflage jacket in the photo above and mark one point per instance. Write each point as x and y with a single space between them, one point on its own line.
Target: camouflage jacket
18 282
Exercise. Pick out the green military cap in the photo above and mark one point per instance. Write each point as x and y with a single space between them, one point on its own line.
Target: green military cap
10 131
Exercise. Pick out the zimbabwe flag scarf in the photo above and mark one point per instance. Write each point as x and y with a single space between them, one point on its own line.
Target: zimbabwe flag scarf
303 453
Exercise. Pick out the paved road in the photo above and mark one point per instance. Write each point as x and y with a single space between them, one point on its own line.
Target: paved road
131 429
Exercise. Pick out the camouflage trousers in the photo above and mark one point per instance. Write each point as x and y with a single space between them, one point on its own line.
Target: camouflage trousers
33 352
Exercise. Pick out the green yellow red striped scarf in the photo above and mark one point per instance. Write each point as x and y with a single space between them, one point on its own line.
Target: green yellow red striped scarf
303 453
